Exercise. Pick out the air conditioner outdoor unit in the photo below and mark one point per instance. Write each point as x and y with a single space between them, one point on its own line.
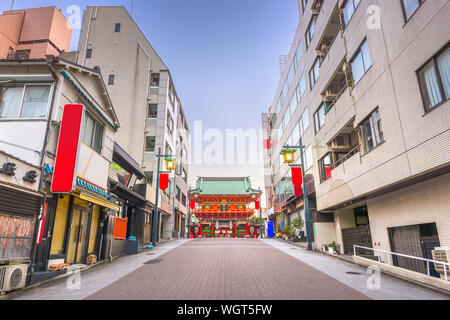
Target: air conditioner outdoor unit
341 143
443 255
315 11
13 277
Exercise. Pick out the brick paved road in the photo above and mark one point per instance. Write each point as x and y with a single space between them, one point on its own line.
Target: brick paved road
226 269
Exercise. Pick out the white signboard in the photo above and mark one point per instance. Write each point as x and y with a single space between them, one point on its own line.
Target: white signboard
92 167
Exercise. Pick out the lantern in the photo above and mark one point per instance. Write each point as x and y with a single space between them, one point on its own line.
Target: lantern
288 155
170 163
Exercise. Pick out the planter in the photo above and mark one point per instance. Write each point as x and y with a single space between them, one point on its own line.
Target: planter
331 250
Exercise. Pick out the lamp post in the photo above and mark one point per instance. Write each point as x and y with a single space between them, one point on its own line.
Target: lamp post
170 165
189 215
288 154
260 214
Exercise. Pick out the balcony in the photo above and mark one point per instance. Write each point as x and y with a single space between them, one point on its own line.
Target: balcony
19 55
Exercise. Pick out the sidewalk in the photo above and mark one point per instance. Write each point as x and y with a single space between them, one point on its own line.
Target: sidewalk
92 279
355 276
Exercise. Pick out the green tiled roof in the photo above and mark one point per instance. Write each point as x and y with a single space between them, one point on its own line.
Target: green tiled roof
226 186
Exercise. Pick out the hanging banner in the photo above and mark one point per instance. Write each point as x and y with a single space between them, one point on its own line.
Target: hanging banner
297 177
68 146
257 206
192 204
163 181
298 192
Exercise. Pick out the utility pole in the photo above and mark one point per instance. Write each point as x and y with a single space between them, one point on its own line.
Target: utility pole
12 4
290 150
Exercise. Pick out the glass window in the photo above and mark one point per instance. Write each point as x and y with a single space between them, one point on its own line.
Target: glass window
280 132
154 82
89 53
325 168
301 87
153 111
314 73
35 101
434 79
93 133
11 99
293 103
150 143
308 158
319 117
117 27
286 119
361 62
410 6
372 132
349 9
291 75
305 121
111 79
310 31
296 134
31 101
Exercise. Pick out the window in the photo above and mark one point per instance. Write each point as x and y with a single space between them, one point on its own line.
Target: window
325 168
301 87
314 73
169 123
319 117
93 133
280 131
152 111
154 81
296 134
305 121
361 62
117 27
286 119
184 200
304 3
372 132
28 101
111 79
308 157
150 143
284 92
89 53
298 54
434 80
293 103
349 9
149 177
410 6
310 31
278 107
291 75
178 194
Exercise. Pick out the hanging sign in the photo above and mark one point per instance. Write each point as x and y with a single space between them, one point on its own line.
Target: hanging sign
163 181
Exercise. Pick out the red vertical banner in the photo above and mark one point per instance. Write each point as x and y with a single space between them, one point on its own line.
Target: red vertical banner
298 192
266 144
257 205
163 181
41 229
327 173
67 152
297 176
192 204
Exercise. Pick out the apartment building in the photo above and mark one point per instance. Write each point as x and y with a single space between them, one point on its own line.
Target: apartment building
144 95
375 79
34 33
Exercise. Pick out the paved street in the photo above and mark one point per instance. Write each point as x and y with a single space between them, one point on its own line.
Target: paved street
229 269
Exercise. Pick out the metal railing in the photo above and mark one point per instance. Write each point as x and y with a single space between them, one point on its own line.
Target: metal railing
389 254
345 157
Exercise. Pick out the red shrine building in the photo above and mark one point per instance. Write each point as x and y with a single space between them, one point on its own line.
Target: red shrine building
223 207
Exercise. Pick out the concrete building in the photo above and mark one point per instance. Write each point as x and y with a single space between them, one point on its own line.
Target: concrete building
375 79
34 33
144 95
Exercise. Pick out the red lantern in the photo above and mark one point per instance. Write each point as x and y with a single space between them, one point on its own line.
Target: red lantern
297 177
192 204
163 181
257 205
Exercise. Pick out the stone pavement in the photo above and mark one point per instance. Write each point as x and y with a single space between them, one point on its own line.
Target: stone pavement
229 269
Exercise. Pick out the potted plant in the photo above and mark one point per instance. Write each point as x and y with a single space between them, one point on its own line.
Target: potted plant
332 247
298 224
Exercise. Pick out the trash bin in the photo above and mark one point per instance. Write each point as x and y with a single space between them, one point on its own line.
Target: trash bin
131 246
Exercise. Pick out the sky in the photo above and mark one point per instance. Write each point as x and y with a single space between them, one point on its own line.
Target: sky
222 54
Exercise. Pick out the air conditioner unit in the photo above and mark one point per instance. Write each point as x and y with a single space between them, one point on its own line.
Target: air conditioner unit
443 255
315 11
341 143
13 277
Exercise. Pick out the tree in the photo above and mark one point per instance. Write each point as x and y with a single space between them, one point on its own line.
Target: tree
298 223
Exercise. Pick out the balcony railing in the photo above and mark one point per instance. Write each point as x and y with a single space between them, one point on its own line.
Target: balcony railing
18 55
345 157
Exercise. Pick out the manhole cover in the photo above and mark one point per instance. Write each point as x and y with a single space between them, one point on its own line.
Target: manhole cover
353 272
150 254
154 261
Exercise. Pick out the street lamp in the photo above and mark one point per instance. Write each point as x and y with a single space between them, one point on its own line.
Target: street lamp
170 165
288 154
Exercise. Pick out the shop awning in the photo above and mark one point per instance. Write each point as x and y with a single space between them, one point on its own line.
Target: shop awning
98 201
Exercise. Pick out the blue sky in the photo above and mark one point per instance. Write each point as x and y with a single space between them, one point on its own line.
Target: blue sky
223 54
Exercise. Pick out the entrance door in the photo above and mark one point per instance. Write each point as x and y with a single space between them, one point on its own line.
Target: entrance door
406 240
78 235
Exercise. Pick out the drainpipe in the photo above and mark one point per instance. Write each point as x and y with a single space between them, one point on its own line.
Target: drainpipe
50 61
